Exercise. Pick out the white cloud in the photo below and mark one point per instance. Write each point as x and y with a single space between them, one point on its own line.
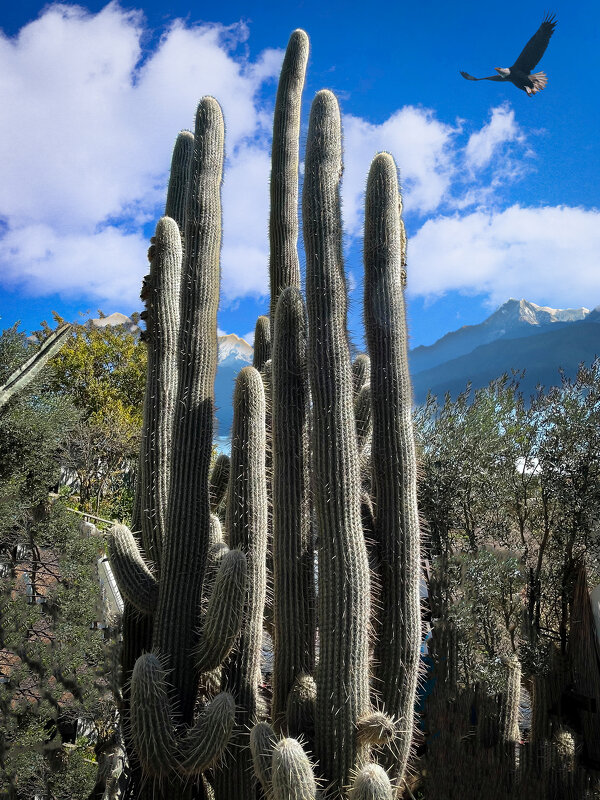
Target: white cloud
89 139
483 144
422 147
547 254
87 143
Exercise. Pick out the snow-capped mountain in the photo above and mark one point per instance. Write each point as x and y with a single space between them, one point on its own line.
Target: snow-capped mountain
234 353
513 319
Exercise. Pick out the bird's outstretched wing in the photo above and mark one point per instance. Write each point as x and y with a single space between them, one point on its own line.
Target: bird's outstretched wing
536 46
489 78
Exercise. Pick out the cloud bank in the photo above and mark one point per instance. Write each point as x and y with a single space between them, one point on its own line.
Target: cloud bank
86 147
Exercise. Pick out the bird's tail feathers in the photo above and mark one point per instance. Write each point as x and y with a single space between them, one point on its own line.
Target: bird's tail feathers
539 80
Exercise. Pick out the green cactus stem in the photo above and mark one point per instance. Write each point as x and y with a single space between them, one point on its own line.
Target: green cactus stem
293 546
137 583
262 743
219 479
292 773
394 465
23 376
161 295
223 617
361 372
509 719
247 530
262 343
188 518
284 266
300 709
371 783
344 587
179 179
206 740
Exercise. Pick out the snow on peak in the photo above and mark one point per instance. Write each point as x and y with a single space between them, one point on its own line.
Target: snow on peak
232 347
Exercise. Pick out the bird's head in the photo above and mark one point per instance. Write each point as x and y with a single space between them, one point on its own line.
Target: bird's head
503 71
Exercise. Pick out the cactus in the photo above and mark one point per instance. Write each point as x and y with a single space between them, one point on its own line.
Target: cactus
219 478
206 602
293 546
394 472
169 744
262 343
23 376
371 783
247 529
284 266
344 589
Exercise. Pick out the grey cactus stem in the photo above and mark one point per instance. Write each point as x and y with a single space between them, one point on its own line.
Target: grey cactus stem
161 293
509 723
247 530
188 519
344 590
371 783
219 478
284 266
361 369
293 546
262 343
136 582
394 466
179 179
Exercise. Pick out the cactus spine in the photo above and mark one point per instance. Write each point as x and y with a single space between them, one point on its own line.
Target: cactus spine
393 456
344 589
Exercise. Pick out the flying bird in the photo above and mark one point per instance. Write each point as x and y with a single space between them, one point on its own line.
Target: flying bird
520 72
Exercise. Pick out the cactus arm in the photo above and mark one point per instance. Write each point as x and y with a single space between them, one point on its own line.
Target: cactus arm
293 546
188 516
23 376
223 616
344 588
292 773
262 343
205 742
136 582
262 743
160 293
394 470
179 179
371 783
152 726
219 478
284 266
300 709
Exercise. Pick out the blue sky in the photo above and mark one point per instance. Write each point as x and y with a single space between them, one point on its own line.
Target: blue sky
501 191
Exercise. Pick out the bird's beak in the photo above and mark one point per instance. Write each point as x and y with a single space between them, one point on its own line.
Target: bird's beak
497 69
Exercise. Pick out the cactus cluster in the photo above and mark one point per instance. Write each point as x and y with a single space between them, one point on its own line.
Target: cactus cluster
319 446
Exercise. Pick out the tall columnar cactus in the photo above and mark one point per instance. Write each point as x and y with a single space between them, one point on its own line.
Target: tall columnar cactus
344 588
284 266
394 469
164 685
293 545
247 529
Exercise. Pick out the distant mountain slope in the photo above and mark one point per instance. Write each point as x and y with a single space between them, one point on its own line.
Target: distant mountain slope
541 356
234 353
514 319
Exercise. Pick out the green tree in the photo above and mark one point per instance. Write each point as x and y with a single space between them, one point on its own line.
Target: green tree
51 653
102 369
